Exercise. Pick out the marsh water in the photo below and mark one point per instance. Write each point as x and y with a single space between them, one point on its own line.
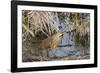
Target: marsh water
69 47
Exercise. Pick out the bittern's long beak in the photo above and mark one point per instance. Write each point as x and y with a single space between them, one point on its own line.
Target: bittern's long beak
62 33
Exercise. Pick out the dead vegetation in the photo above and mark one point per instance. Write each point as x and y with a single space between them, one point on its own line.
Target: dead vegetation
38 26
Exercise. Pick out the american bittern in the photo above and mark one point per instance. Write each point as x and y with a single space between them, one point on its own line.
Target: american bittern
51 42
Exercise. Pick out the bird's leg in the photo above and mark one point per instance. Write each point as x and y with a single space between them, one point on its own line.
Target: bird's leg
55 52
48 53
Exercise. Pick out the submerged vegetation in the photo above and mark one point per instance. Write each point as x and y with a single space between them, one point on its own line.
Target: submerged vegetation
38 26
